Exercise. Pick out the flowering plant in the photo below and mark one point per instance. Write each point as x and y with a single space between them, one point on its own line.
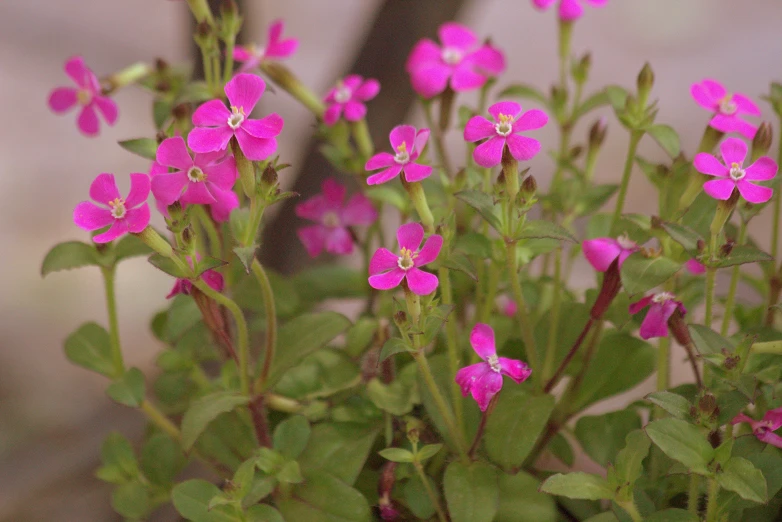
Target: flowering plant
380 392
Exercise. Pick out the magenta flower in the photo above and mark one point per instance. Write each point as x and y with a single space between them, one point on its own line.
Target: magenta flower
461 60
252 55
695 267
507 306
220 209
661 307
124 215
408 145
87 94
205 180
727 107
215 125
732 173
764 429
569 10
484 379
601 251
211 277
348 97
333 216
509 123
387 270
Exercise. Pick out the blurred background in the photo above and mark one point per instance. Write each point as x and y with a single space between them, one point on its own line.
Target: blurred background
53 416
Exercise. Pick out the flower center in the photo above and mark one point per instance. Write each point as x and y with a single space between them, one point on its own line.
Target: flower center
626 243
343 93
406 259
118 210
505 125
728 106
736 172
662 297
256 51
494 362
452 55
84 97
330 219
237 117
195 174
402 156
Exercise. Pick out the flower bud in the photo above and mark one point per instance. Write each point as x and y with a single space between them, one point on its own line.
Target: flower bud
162 85
731 361
413 435
269 179
762 141
161 65
575 152
400 319
727 248
645 83
679 328
529 187
597 133
700 245
580 69
203 30
160 136
181 111
189 240
612 282
707 403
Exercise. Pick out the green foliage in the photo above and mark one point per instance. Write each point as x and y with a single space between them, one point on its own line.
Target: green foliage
69 255
578 485
205 410
472 492
601 436
683 442
90 348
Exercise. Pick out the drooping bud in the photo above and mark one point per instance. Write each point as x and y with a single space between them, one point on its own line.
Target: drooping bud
612 282
597 133
762 141
679 328
284 78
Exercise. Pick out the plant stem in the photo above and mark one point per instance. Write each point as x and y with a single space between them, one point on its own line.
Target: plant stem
228 67
159 419
363 139
629 506
437 137
271 323
215 244
111 307
569 356
482 425
430 492
693 493
734 281
521 312
635 137
711 506
452 343
565 37
556 303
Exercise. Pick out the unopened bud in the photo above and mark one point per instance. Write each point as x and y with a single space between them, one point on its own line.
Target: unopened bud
612 282
580 69
731 361
269 177
529 186
228 8
679 328
413 435
700 245
181 111
656 222
188 239
400 319
160 137
575 152
203 30
597 133
762 141
645 82
161 65
162 86
707 403
727 248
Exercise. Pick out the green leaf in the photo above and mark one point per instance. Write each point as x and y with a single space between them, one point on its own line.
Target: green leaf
144 147
741 255
484 205
131 500
321 374
683 235
338 448
429 451
161 459
474 244
208 263
330 282
538 229
117 456
524 91
743 478
561 449
192 497
398 397
290 473
130 246
666 137
594 197
263 513
640 274
90 348
167 265
360 336
578 485
601 436
509 436
68 255
471 491
459 262
206 409
617 97
161 112
291 436
128 389
397 455
324 498
629 461
301 337
672 515
393 346
673 403
707 341
595 101
416 498
682 442
520 500
246 255
387 194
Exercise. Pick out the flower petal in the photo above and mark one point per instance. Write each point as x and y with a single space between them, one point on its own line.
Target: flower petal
379 161
212 113
104 188
313 238
482 340
430 79
63 98
226 201
139 190
197 194
478 128
354 110
772 438
88 121
117 229
209 139
244 90
570 10
703 97
424 53
416 172
107 107
763 169
601 252
367 90
338 241
543 4
332 113
719 188
640 305
388 280
89 216
214 279
708 164
267 127
430 250
733 150
515 369
457 35
256 149
745 105
410 236
467 376
359 211
168 188
733 123
655 324
530 120
464 78
172 152
382 260
694 267
419 144
508 108
521 147
223 174
488 60
489 153
402 134
485 388
79 72
754 193
137 218
384 175
774 417
420 282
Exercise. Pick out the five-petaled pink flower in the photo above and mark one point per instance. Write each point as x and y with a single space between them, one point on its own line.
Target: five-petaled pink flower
462 60
124 215
348 97
215 125
601 251
252 55
507 306
408 145
387 270
569 10
764 429
727 107
333 216
694 267
509 122
661 307
484 379
86 94
733 174
211 277
206 180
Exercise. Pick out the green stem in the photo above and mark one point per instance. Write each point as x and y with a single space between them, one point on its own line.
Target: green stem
245 168
635 137
565 37
228 67
201 11
271 323
734 282
159 419
451 338
416 192
629 506
287 81
111 306
521 313
363 139
551 347
711 278
482 425
254 224
663 364
711 506
437 137
693 494
430 492
208 73
215 244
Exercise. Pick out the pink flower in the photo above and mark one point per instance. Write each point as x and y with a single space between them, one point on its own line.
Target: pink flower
727 107
408 145
87 94
507 306
348 97
216 125
694 267
484 379
601 251
510 122
252 56
333 216
569 10
124 215
764 429
387 270
205 180
155 169
732 173
211 277
661 307
461 60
